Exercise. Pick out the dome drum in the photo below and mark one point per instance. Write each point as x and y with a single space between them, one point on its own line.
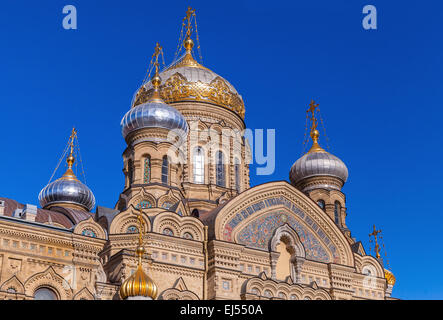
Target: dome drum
324 182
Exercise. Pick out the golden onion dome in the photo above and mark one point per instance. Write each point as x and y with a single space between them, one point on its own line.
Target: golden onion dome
188 80
390 278
139 284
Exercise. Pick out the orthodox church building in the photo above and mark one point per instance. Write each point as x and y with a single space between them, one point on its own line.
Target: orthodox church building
187 224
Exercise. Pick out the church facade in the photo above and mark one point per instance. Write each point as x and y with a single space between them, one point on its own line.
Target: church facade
187 224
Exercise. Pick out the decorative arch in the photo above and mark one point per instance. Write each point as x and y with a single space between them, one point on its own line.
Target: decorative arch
143 200
262 287
128 218
278 203
290 237
293 247
178 292
14 283
90 228
84 294
179 225
372 264
167 201
50 279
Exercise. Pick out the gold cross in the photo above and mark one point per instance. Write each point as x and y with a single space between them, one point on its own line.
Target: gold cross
377 247
157 52
71 140
189 14
312 108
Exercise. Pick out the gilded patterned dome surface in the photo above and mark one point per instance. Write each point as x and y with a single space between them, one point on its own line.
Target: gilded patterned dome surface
320 163
139 284
153 114
67 190
390 278
187 80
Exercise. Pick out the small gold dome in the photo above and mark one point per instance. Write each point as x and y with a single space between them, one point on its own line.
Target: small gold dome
139 284
389 277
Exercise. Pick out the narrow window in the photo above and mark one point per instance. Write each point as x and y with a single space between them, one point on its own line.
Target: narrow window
199 165
337 210
165 170
220 169
237 174
321 204
147 170
130 171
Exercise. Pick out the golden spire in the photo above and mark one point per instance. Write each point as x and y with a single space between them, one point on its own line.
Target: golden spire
69 174
156 80
377 246
314 132
139 284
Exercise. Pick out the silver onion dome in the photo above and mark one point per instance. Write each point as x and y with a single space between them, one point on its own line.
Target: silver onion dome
314 164
70 191
67 189
318 163
154 114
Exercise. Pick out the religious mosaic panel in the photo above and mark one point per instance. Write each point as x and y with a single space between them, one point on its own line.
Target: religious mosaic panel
258 232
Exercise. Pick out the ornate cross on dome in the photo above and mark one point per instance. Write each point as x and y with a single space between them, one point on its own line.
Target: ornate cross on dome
314 132
158 50
377 246
312 109
69 174
188 17
71 140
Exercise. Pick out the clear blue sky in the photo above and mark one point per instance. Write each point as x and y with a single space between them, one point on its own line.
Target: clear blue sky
380 93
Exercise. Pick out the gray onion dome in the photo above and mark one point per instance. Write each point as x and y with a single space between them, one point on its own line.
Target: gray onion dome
153 114
318 163
67 190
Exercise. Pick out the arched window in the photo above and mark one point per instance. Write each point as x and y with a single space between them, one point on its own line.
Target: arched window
165 170
147 170
268 294
45 294
132 229
337 209
89 233
321 204
130 171
199 165
220 169
144 204
187 235
237 174
168 232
